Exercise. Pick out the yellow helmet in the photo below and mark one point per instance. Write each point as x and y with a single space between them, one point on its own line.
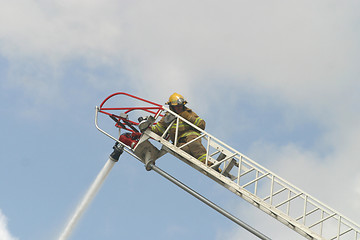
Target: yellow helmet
176 99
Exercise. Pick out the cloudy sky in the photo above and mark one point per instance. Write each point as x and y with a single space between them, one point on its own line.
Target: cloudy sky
276 80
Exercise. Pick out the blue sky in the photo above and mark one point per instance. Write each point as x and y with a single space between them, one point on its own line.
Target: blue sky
276 80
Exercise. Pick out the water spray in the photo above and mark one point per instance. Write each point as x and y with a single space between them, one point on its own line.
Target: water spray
92 191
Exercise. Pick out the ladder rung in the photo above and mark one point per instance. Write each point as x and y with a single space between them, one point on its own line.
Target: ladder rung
223 160
246 172
350 229
288 200
308 213
256 179
274 194
322 220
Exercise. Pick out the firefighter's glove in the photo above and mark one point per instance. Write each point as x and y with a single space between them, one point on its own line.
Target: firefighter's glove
186 115
169 118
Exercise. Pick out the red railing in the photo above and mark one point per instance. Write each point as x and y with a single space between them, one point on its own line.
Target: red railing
125 123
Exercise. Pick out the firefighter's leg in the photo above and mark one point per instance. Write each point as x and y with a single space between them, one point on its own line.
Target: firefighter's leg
196 149
186 148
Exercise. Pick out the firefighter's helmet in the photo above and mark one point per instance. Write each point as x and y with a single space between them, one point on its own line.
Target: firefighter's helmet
176 99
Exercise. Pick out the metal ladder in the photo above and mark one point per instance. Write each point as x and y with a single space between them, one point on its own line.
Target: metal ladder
241 175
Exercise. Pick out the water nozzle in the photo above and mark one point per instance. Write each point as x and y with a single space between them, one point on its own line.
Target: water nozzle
118 150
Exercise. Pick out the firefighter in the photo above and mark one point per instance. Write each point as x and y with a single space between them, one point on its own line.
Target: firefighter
186 133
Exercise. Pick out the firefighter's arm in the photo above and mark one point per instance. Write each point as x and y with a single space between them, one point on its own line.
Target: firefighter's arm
159 127
194 119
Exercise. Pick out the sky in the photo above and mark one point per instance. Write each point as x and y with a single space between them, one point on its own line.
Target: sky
276 80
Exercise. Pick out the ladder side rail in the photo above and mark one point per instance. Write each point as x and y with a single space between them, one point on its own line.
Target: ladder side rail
310 199
246 160
246 195
224 179
271 178
299 194
226 146
342 220
263 170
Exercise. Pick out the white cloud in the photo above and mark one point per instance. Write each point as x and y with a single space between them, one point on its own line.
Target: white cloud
58 30
282 47
303 54
4 232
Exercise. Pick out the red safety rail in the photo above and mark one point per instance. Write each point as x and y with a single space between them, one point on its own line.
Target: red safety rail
127 124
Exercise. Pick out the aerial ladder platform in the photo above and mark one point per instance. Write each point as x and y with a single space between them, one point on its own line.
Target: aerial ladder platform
230 168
